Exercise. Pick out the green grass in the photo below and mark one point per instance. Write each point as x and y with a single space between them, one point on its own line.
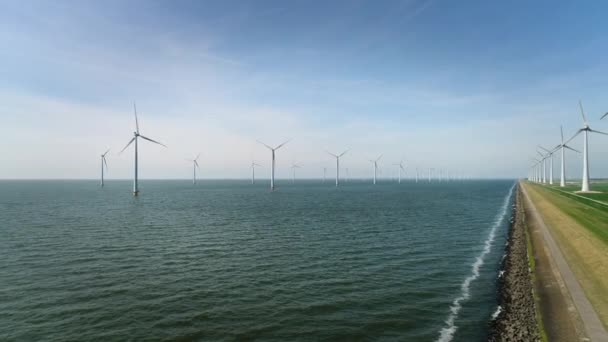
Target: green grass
591 215
532 265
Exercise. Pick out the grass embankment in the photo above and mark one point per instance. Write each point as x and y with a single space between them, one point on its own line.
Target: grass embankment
581 232
532 265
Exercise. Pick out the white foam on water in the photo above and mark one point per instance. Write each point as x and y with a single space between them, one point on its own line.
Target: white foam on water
447 333
496 313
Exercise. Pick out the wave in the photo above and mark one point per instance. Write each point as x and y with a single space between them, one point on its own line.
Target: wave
447 333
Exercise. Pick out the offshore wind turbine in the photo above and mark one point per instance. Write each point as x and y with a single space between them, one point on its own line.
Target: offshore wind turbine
324 174
194 166
375 163
253 165
585 130
416 175
338 156
136 135
272 165
401 168
294 166
103 162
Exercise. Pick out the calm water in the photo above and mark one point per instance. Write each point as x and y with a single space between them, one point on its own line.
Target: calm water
227 260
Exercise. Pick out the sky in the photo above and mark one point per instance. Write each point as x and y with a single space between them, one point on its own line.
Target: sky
469 86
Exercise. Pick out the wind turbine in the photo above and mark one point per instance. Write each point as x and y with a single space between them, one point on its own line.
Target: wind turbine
253 165
416 175
136 135
338 156
324 174
272 150
294 166
194 166
544 170
585 130
103 162
401 168
562 147
375 162
550 155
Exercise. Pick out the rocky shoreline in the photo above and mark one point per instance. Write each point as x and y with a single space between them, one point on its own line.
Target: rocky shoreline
515 319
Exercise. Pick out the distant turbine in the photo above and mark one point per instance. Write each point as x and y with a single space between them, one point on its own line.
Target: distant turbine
253 165
136 135
563 147
337 156
544 166
272 150
324 174
103 162
586 129
416 175
375 162
550 155
194 166
401 168
293 169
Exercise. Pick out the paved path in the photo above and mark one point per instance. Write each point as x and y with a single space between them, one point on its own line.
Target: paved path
593 326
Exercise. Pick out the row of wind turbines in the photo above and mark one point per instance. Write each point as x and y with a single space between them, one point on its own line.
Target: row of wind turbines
137 135
538 170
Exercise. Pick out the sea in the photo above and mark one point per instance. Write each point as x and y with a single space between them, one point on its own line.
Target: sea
227 260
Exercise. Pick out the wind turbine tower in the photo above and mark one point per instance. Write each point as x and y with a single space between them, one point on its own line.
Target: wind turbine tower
338 156
103 162
585 130
293 168
400 168
137 135
375 163
253 165
272 165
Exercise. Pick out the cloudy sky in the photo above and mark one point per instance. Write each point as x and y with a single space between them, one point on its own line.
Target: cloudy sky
472 86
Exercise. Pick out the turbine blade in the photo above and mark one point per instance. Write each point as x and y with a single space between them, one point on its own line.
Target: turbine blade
544 149
196 163
154 141
278 147
594 131
106 152
259 142
343 153
574 136
136 122
105 162
379 157
331 154
561 129
570 148
580 103
603 116
197 156
130 142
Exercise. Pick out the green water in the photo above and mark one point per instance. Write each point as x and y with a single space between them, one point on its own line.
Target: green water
227 260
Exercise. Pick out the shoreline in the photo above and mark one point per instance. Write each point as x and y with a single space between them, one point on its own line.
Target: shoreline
515 318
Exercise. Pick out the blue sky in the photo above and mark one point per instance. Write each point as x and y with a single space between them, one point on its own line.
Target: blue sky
471 86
